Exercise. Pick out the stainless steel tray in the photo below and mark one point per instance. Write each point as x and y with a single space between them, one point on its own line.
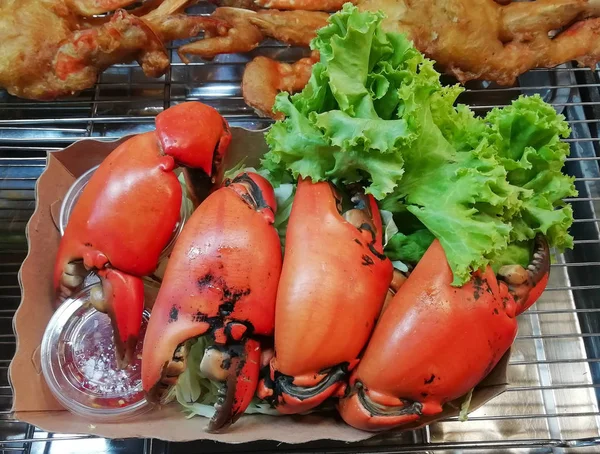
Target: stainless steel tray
552 402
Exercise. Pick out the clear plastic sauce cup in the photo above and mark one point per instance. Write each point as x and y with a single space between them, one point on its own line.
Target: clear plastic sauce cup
79 364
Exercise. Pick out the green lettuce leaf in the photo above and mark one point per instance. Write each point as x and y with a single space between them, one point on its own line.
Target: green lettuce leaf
284 196
375 112
340 127
517 253
409 248
527 136
464 407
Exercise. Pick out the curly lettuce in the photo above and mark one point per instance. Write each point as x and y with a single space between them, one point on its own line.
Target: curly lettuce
375 112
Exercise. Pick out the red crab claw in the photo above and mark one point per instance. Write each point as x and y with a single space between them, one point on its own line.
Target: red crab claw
122 298
129 211
201 154
434 343
221 280
333 284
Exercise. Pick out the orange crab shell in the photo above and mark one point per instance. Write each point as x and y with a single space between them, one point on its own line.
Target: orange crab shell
333 284
432 344
221 278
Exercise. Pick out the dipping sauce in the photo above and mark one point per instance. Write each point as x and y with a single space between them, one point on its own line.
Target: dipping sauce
79 363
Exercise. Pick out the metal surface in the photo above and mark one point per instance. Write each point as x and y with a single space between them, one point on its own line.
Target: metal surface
551 405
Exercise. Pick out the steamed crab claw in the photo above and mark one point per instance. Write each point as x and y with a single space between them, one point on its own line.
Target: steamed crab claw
333 284
221 281
237 368
129 210
434 343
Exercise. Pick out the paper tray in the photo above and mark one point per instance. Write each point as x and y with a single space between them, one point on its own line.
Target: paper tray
33 402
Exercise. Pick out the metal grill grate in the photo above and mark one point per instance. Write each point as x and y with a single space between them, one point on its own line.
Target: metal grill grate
551 404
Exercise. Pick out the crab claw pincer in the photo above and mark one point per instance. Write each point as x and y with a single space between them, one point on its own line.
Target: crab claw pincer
434 343
333 284
221 280
129 210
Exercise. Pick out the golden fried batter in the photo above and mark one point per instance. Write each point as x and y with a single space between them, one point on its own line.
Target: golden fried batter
297 28
48 50
482 39
265 77
248 28
306 5
475 39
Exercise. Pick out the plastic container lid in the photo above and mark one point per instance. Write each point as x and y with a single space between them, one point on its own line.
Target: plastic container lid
79 365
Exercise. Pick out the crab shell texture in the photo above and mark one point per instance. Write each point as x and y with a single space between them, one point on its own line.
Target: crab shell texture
432 344
221 279
128 211
332 287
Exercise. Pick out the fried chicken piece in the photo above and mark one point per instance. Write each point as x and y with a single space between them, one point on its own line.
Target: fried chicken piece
47 50
264 78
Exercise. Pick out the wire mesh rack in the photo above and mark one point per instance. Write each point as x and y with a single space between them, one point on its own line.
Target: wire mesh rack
552 402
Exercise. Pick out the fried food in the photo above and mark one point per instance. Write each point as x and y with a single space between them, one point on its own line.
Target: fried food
53 48
265 77
486 39
296 28
247 29
48 50
91 7
240 36
474 39
306 5
246 4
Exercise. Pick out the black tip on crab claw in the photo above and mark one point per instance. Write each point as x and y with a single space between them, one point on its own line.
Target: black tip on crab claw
361 410
236 367
527 284
289 397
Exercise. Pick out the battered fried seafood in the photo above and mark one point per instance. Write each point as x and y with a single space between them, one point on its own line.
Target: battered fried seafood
475 39
247 29
297 28
49 49
241 36
306 5
482 39
265 77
